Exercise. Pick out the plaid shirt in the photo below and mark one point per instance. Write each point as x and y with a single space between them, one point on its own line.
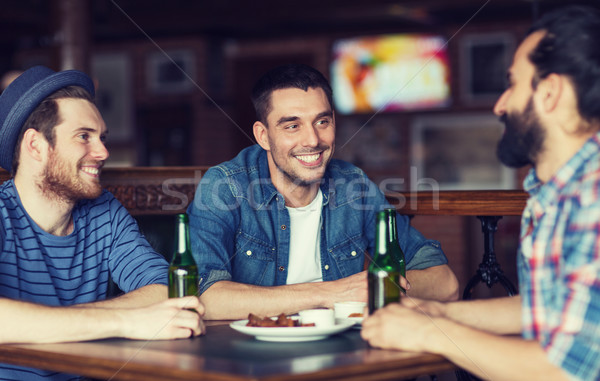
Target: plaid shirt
559 264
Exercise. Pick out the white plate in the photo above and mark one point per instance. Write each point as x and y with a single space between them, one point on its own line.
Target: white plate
290 333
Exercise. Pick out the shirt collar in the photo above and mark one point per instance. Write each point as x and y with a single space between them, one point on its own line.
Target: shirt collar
548 192
264 176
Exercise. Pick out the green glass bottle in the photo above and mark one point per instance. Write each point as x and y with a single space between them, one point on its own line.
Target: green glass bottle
183 271
387 264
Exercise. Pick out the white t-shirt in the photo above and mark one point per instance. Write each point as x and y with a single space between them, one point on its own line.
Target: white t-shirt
305 242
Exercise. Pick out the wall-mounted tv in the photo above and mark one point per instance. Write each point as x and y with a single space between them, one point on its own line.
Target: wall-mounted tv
398 72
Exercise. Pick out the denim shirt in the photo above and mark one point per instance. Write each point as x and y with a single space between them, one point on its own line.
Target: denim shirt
239 225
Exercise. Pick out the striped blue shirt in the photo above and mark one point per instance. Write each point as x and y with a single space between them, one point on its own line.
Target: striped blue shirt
39 267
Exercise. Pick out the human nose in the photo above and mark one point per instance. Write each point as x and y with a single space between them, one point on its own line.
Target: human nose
310 137
500 106
99 151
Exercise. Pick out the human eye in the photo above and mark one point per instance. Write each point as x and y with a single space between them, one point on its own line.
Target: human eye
323 122
84 136
291 127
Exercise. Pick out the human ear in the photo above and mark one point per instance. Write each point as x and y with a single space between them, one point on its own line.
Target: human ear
260 134
551 91
33 144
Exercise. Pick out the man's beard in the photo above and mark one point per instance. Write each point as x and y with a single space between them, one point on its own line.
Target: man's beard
59 183
523 138
291 174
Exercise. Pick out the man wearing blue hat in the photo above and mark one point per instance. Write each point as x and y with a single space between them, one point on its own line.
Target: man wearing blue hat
62 236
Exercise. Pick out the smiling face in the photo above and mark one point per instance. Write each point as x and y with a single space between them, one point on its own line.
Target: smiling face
73 165
299 137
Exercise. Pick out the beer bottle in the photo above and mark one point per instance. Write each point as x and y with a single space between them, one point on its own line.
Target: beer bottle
387 264
183 272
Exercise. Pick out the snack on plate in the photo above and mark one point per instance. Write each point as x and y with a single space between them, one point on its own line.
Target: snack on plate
281 321
355 315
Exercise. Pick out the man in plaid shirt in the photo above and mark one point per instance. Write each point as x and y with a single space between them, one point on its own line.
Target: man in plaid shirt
551 110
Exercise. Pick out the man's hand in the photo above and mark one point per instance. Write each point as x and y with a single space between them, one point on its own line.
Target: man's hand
175 318
398 327
352 288
408 325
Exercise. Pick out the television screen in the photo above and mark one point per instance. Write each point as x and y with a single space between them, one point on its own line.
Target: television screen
390 73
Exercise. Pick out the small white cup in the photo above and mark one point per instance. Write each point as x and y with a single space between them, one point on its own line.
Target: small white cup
320 317
344 309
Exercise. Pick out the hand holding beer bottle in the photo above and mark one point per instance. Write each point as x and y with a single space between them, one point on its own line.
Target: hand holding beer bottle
183 271
387 264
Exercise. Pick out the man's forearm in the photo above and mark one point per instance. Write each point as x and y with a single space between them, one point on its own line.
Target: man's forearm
23 322
497 315
141 297
231 300
423 327
493 357
434 283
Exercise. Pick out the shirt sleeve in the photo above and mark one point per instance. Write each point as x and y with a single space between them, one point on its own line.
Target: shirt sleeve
214 216
133 262
419 252
574 344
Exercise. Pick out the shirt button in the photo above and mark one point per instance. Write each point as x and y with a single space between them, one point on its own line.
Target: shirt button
249 252
326 267
281 268
353 253
283 227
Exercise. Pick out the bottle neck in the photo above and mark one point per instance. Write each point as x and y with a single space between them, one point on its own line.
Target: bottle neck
183 253
381 236
182 238
392 232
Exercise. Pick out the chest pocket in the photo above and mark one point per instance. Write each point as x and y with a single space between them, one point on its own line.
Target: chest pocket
349 256
254 261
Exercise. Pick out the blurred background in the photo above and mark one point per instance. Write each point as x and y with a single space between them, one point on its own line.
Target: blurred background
414 83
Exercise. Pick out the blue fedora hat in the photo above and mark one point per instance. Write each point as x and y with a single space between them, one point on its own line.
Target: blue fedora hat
23 95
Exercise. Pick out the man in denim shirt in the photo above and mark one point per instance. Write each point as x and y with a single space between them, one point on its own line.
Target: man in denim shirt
282 227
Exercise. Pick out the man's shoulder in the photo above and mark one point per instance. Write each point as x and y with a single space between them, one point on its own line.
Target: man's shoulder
350 184
245 176
245 163
343 169
7 190
9 203
586 188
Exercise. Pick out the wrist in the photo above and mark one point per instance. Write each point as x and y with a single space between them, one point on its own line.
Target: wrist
119 322
439 336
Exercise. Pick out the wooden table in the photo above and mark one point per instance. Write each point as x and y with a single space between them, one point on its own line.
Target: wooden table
226 355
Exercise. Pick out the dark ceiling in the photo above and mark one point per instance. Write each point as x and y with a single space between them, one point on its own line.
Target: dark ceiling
31 23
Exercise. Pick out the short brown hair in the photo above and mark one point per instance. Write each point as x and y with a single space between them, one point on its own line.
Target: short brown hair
297 76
